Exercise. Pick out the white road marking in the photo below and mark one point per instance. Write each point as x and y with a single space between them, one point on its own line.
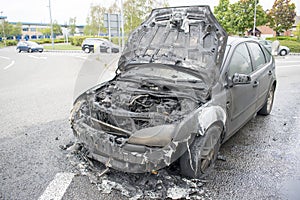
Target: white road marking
287 66
7 58
288 61
57 188
37 57
8 66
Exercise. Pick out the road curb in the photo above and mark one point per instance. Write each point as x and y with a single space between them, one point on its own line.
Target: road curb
63 51
294 54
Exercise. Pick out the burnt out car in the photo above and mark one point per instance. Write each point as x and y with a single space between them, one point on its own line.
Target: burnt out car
182 88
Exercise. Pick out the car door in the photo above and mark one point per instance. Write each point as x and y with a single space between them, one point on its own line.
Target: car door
263 70
241 98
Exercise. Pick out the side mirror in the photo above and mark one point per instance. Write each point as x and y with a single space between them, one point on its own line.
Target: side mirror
238 79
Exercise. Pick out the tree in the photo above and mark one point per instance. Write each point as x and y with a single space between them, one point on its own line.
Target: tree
297 32
243 15
136 11
114 9
236 18
72 25
56 29
95 21
282 15
224 14
11 30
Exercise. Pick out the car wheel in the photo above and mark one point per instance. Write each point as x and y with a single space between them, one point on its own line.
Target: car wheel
87 50
283 52
19 50
41 51
29 50
267 108
198 161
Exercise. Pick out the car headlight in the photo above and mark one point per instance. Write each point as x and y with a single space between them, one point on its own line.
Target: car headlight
157 136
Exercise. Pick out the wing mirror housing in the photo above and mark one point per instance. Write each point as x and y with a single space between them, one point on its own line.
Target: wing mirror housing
239 79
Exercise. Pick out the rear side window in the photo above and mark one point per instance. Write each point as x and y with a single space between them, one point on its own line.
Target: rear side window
240 61
258 55
267 54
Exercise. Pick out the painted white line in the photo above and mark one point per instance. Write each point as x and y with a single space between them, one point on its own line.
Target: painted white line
57 188
287 61
7 58
8 66
286 66
37 57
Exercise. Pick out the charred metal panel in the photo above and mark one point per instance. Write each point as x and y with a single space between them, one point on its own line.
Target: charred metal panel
189 37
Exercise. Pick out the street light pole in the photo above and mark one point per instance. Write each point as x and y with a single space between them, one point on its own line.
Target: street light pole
122 23
254 24
52 39
3 20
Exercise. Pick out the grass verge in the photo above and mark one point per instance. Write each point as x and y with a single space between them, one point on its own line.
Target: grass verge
62 47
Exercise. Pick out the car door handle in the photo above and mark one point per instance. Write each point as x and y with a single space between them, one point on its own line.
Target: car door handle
255 84
270 72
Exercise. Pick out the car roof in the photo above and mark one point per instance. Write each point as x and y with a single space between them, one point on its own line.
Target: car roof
236 40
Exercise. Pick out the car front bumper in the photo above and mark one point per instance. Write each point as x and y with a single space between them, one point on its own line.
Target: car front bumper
127 157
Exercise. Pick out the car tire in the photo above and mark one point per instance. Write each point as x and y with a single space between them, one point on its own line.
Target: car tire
41 51
267 108
198 161
29 50
19 50
87 50
283 52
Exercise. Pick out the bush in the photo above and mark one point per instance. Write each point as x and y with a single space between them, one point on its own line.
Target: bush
11 42
48 41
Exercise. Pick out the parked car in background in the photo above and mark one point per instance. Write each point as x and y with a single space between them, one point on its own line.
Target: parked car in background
90 44
29 47
282 51
182 88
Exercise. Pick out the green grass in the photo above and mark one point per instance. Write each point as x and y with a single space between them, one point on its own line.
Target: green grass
62 47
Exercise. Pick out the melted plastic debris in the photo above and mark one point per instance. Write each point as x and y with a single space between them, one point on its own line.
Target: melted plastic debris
165 184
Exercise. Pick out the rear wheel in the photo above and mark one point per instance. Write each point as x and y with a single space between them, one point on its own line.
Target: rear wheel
283 52
198 161
267 108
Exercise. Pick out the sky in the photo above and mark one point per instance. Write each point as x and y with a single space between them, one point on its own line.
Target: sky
37 11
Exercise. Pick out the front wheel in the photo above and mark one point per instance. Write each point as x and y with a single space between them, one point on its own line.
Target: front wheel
29 50
198 161
87 50
267 108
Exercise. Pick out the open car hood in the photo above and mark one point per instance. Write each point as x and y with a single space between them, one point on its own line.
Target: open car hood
187 37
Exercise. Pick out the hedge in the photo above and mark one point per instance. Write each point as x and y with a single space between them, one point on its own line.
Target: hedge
11 42
290 42
77 40
281 38
293 45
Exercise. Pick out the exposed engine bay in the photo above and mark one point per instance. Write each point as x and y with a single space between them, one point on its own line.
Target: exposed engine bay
132 104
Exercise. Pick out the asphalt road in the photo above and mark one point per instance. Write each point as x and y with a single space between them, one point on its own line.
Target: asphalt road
36 95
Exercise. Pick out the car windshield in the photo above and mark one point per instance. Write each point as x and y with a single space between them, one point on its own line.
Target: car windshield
32 43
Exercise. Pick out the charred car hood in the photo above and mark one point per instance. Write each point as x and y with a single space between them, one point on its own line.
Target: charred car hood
186 37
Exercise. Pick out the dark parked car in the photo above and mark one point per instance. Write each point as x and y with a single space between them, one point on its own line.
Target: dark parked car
90 44
182 89
29 47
